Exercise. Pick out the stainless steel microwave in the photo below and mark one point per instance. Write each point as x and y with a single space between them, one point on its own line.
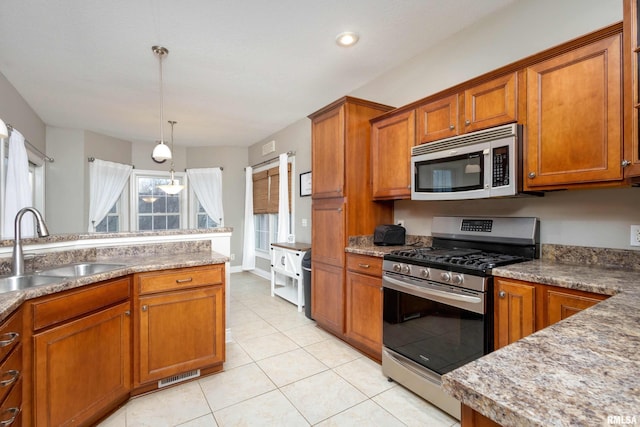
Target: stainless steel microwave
476 165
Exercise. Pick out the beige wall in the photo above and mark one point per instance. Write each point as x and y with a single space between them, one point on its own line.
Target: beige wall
14 110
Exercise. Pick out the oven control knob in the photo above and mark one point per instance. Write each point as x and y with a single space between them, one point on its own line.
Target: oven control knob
445 276
397 268
406 269
457 279
424 273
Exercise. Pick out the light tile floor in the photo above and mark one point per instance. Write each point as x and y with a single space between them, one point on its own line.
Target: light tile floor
281 370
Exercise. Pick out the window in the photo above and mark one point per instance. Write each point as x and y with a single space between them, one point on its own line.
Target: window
153 209
111 222
202 219
265 206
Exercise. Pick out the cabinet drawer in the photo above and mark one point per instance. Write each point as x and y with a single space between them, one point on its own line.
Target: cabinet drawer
10 372
10 333
181 278
365 264
66 306
11 409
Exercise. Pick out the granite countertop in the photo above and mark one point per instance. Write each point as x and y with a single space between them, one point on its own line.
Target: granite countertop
577 372
363 245
134 263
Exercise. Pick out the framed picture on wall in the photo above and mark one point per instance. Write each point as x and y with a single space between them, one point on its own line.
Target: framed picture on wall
305 184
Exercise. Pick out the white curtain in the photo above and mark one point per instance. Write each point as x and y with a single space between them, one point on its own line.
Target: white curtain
207 184
18 189
249 243
106 182
283 200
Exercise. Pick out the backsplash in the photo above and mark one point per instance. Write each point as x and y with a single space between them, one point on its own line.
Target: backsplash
44 260
583 255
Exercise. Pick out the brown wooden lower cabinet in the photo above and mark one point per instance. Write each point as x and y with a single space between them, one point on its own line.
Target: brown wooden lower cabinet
179 323
11 370
522 308
514 311
363 308
82 368
327 296
79 349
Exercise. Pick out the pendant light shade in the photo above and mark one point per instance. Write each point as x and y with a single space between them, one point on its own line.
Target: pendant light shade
161 152
4 132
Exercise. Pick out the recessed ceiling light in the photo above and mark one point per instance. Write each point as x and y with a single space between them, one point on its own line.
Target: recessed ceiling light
347 39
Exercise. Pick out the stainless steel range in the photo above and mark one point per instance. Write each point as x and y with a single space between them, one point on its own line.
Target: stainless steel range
438 301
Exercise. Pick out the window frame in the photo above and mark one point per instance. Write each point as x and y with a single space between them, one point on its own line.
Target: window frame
133 197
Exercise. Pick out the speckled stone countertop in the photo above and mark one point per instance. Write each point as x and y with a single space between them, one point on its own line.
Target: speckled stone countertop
133 263
57 238
363 245
578 372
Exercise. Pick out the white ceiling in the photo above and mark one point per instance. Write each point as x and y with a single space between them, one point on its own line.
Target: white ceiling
237 70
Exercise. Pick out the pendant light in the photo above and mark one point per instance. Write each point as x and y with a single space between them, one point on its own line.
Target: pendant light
161 152
174 186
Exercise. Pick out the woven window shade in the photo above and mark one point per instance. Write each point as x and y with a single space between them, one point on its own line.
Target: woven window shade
266 190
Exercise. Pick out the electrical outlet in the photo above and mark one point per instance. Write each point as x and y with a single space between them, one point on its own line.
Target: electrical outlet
400 222
635 235
304 222
233 257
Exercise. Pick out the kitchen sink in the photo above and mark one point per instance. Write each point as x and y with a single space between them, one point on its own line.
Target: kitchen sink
80 269
17 283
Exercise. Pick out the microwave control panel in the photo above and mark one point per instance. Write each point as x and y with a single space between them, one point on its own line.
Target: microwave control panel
500 166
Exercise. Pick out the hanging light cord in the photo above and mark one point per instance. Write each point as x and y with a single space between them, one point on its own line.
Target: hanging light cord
172 122
160 56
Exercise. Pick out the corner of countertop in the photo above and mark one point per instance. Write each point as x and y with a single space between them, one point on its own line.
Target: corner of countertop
363 245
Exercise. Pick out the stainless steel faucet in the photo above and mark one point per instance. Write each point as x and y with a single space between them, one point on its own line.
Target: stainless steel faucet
17 266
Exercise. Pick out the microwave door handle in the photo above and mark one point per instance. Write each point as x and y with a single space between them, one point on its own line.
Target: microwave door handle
399 284
488 168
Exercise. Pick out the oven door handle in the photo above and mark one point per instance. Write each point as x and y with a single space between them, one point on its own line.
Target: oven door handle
399 285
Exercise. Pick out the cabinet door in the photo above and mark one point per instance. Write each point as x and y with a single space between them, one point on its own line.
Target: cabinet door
363 326
178 332
82 368
438 119
391 142
327 153
631 89
490 104
327 296
562 304
328 237
514 311
574 129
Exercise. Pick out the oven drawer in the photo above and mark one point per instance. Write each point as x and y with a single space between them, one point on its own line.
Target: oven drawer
365 264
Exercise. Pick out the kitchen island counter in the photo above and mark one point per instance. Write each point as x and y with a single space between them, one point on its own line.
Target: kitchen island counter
580 371
133 263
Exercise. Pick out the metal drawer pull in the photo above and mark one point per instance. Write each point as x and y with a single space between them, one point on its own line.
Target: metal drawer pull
502 294
127 313
363 265
145 308
184 280
14 376
13 336
14 413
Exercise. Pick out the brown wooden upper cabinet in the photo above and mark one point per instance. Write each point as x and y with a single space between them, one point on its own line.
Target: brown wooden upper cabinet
484 105
631 161
327 154
391 142
574 117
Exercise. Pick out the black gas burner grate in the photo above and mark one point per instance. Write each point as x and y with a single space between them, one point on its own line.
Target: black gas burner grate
468 258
